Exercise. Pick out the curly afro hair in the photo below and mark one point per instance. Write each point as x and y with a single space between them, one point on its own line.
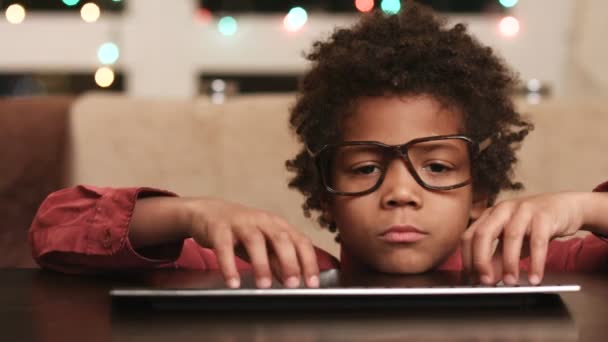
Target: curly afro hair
408 54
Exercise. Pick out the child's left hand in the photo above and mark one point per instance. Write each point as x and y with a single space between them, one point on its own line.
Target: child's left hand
523 227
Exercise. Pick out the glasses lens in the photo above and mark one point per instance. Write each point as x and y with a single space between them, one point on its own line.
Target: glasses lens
359 168
354 168
441 163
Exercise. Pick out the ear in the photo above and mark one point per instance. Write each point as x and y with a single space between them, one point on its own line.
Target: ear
326 213
480 203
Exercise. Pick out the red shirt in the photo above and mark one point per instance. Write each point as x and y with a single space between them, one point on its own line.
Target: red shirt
85 229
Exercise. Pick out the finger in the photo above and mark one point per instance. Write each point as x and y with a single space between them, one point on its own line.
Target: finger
308 260
484 243
512 241
496 263
305 252
255 245
466 242
539 243
285 252
223 243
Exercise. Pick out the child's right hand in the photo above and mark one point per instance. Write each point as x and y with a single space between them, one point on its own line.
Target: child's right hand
271 244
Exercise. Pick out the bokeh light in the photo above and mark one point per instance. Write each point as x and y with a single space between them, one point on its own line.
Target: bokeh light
295 19
204 16
534 85
508 3
90 12
104 77
218 86
15 14
509 27
71 2
227 26
391 6
364 5
108 53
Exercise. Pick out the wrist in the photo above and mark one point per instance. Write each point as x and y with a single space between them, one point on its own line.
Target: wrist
595 212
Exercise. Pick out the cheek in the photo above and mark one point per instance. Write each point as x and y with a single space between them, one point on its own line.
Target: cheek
452 212
346 211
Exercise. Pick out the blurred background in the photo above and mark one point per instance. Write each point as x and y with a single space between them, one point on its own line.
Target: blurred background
184 48
194 96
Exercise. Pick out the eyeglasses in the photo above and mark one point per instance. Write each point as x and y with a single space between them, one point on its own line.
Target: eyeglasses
355 168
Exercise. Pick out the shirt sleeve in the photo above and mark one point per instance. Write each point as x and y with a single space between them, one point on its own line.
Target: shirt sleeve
85 230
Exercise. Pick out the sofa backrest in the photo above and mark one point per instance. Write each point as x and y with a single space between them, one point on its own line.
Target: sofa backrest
568 150
234 151
32 143
237 150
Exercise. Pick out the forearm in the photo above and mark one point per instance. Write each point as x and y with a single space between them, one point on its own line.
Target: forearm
596 213
159 221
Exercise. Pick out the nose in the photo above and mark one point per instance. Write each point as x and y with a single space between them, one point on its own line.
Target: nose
399 187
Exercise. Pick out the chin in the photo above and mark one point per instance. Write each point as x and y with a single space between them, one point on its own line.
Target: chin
404 264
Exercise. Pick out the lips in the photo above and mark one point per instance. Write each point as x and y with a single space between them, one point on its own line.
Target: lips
403 234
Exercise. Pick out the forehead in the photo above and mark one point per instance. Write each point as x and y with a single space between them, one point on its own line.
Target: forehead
398 119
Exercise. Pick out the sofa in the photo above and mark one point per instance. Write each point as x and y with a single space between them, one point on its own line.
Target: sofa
235 150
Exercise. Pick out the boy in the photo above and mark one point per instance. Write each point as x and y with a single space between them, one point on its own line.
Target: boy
409 135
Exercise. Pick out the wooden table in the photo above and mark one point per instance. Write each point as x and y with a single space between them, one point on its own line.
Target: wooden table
44 306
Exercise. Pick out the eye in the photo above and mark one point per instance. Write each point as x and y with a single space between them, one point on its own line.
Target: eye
437 168
366 169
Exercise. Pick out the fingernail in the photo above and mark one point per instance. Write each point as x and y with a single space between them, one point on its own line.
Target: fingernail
486 279
534 279
234 283
509 279
264 283
313 281
292 282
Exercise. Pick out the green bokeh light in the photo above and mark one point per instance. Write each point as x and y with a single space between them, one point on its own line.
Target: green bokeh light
391 6
71 2
227 26
508 3
108 53
297 16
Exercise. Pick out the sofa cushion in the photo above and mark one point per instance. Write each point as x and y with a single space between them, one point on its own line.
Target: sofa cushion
235 151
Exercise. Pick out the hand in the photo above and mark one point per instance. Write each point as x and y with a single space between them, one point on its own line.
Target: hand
493 245
269 243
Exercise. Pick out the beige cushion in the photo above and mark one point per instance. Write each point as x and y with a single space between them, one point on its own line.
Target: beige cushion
568 148
237 150
234 151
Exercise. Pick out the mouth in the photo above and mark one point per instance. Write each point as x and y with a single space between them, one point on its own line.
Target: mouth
402 234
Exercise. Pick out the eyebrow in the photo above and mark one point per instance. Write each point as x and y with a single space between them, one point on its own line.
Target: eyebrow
435 145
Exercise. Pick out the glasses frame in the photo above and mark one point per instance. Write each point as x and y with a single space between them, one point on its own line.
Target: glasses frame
401 151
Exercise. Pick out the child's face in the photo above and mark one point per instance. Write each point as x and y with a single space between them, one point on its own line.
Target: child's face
400 201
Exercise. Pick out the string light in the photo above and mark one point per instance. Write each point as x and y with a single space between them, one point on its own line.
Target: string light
218 86
509 27
104 77
90 12
204 16
508 3
534 85
391 6
295 19
364 5
227 26
71 2
108 53
15 14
